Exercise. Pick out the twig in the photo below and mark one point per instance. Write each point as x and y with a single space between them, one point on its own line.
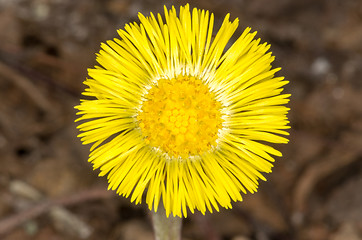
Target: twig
342 154
28 88
10 223
13 61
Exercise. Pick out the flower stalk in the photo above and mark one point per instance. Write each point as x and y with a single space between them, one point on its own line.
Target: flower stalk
166 228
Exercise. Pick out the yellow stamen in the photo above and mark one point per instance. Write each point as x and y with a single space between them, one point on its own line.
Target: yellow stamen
180 116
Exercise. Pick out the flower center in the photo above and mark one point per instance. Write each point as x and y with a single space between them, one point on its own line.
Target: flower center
180 116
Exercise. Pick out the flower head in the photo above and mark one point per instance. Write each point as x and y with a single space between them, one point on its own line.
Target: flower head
179 115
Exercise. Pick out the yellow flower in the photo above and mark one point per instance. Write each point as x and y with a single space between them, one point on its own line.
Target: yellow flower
178 114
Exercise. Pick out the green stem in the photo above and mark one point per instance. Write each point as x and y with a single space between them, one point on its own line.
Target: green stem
166 228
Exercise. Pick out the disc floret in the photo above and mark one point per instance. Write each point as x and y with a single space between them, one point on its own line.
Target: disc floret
181 117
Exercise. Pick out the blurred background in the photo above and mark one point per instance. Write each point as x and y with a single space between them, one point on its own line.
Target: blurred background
48 189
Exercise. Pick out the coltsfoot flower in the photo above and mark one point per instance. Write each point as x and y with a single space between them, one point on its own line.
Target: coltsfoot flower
179 115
